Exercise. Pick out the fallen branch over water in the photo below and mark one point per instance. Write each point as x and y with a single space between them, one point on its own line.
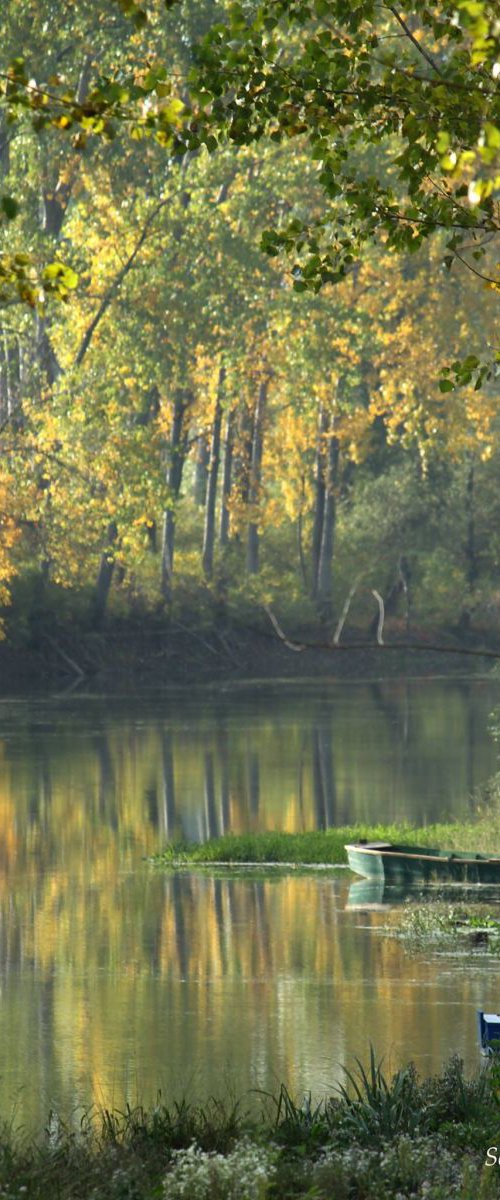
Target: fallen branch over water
336 647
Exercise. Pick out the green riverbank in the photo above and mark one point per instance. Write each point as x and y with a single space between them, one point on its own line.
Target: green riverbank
326 847
379 1138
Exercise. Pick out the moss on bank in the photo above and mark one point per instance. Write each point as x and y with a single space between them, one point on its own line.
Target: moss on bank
325 847
380 1138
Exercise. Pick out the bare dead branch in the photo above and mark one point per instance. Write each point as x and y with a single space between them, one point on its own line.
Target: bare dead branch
343 616
283 638
66 658
423 647
116 283
381 617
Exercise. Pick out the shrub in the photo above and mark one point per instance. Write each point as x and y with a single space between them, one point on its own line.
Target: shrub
244 1174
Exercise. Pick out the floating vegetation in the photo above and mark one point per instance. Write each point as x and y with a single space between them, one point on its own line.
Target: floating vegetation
444 926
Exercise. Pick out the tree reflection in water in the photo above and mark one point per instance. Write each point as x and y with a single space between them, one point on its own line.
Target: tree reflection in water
116 979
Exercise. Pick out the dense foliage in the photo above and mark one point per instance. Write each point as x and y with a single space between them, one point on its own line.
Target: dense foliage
230 346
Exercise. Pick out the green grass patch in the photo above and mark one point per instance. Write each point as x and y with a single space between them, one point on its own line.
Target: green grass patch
324 847
376 1138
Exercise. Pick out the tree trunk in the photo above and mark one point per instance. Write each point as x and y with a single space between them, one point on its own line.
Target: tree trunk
256 476
177 454
226 480
471 564
319 498
243 457
213 475
45 353
470 544
324 588
201 471
5 388
104 577
5 136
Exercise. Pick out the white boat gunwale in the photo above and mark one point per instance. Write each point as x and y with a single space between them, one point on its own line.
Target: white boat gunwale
386 848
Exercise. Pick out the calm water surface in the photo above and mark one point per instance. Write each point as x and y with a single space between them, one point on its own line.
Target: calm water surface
117 980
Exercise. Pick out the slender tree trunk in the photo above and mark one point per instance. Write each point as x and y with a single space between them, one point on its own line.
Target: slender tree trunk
243 458
213 474
152 536
5 398
5 135
226 480
319 498
324 589
104 577
300 549
201 471
470 544
471 564
256 476
45 353
177 454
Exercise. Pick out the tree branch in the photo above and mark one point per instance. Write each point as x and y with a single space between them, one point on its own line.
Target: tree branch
421 49
343 616
117 282
283 638
381 617
338 647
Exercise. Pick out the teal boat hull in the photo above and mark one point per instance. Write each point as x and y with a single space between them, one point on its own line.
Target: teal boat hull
415 865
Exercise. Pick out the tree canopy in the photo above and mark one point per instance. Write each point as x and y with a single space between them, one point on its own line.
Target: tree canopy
229 344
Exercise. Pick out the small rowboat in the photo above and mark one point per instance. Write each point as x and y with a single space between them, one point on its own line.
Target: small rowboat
411 865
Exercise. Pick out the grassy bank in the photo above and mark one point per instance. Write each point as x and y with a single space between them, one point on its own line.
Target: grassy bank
326 847
380 1138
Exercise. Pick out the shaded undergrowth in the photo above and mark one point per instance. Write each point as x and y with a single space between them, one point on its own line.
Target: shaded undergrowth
375 1138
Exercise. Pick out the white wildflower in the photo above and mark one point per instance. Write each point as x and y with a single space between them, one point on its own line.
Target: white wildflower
244 1174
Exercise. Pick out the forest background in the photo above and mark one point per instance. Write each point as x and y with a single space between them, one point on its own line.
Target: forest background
248 354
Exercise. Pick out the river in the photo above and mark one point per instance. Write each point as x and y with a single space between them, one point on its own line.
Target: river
118 981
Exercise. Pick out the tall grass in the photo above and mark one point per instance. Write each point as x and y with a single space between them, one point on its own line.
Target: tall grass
375 1138
327 847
